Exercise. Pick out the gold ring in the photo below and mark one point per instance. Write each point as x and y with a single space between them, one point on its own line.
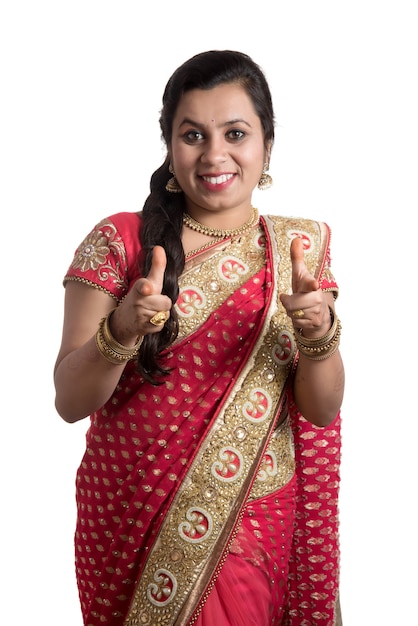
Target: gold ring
298 314
159 318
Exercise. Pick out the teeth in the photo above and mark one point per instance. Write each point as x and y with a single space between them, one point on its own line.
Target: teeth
217 180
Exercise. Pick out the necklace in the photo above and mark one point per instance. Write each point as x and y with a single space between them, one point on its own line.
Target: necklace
218 232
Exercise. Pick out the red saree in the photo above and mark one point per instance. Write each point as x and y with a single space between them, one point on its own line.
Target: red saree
209 499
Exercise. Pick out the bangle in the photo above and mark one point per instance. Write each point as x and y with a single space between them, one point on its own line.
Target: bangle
320 348
111 349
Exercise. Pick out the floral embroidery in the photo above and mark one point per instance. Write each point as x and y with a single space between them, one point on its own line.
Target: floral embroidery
92 252
103 252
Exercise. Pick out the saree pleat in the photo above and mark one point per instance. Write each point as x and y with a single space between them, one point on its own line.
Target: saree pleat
251 589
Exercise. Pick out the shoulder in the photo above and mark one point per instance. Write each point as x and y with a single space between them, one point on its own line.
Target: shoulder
294 222
118 235
127 226
107 256
125 220
289 226
316 237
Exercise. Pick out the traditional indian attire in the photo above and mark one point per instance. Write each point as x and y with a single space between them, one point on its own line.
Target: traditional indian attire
209 499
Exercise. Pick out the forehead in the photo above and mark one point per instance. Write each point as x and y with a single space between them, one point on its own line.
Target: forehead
219 104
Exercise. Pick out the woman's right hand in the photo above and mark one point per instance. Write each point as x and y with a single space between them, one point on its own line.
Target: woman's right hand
132 317
84 379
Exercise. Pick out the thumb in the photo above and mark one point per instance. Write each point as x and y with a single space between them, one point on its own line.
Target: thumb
302 280
155 279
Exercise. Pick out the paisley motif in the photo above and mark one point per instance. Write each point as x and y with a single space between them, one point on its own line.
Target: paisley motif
306 238
190 300
230 268
230 464
257 408
268 466
164 589
283 350
197 527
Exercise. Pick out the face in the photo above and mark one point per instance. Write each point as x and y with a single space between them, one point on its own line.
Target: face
217 149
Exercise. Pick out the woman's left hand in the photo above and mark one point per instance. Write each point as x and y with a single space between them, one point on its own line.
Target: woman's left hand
308 306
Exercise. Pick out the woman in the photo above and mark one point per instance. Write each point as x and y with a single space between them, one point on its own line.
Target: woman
203 342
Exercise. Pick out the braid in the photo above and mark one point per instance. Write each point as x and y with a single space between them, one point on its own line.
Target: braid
161 225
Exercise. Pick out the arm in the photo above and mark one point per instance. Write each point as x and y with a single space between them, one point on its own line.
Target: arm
84 379
318 385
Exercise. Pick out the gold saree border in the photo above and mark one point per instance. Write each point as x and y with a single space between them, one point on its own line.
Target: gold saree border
207 507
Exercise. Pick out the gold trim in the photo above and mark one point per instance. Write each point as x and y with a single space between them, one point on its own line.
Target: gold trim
89 283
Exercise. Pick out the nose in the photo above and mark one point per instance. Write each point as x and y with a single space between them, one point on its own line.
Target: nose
215 151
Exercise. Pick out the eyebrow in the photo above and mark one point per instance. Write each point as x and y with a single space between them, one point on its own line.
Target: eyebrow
188 120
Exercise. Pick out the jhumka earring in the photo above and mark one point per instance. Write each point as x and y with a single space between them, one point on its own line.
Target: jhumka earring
173 184
266 180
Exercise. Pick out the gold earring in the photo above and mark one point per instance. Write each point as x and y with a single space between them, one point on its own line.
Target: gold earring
266 180
173 184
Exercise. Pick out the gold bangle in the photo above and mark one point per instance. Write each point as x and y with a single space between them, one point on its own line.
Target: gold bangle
319 341
320 354
320 348
106 351
111 349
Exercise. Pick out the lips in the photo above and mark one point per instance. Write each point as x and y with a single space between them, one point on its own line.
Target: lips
218 180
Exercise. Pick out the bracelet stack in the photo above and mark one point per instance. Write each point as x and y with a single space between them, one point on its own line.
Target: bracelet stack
321 348
111 349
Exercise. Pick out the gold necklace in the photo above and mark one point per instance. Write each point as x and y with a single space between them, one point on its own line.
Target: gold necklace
219 232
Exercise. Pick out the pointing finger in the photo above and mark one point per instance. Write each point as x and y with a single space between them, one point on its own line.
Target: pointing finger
153 284
302 279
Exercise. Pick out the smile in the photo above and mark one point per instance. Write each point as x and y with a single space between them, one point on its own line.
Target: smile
217 180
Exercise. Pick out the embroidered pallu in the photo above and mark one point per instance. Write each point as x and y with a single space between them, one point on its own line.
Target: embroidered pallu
184 483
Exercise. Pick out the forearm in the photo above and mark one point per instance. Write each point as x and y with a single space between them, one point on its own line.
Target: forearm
98 340
318 388
84 381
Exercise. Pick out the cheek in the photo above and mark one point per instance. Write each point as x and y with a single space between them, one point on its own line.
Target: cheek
254 156
182 161
255 164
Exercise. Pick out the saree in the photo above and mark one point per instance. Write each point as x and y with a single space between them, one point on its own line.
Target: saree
209 499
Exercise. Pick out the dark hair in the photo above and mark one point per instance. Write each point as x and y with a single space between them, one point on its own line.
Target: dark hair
162 216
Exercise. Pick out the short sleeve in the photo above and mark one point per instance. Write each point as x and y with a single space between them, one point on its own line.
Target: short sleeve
108 257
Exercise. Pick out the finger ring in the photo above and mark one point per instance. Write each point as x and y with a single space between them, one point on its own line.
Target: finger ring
159 318
298 314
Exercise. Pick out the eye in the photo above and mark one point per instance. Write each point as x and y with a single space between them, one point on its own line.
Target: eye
193 136
235 134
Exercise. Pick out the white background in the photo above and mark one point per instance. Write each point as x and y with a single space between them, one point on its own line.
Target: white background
81 86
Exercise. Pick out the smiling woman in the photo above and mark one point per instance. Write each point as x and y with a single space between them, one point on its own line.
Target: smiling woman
202 341
218 151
